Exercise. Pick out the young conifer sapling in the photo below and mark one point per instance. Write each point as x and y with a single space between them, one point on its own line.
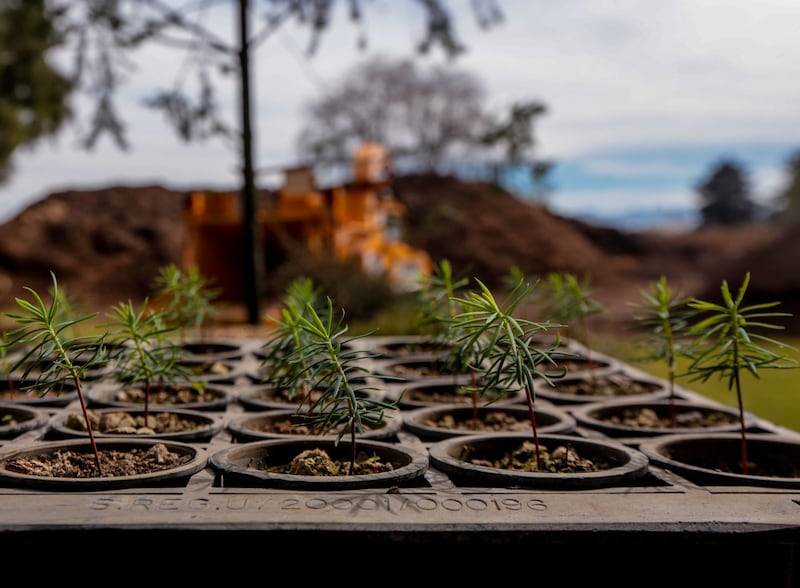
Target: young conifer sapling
502 347
49 346
725 346
147 357
664 316
331 363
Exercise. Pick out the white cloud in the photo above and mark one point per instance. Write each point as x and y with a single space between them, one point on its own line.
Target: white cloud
627 169
617 201
616 75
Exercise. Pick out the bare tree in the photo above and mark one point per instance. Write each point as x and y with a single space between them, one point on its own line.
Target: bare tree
512 135
420 115
103 32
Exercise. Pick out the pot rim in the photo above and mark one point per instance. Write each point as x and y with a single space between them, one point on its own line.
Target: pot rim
632 463
587 415
198 461
234 461
209 424
657 450
413 420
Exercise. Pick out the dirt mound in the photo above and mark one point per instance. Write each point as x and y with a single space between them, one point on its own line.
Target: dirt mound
104 246
773 276
485 231
107 246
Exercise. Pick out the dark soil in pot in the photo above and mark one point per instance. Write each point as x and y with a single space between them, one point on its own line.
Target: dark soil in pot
221 371
69 465
657 417
443 390
193 396
418 367
772 460
289 423
267 397
440 422
565 461
610 385
186 425
319 463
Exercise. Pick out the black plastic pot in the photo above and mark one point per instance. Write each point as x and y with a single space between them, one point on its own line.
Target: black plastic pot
241 465
577 364
180 395
455 457
602 386
14 390
436 391
403 346
16 419
255 426
195 456
607 417
213 349
417 368
214 371
549 419
261 397
206 425
716 458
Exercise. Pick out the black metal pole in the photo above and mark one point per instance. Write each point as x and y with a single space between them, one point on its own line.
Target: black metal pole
252 254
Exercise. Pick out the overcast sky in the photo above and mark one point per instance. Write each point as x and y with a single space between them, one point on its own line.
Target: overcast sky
644 97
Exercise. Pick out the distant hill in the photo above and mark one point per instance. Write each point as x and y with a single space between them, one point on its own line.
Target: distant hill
107 245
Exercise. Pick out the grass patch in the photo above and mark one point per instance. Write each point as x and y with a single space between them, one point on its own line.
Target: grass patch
773 396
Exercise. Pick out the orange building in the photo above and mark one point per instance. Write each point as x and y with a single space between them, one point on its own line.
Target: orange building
361 220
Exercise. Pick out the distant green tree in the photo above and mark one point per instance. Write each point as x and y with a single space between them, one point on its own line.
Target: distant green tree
33 95
725 196
789 197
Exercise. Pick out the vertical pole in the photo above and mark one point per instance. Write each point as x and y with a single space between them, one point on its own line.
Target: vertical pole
252 254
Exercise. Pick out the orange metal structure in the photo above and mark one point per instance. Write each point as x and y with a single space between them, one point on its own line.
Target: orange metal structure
361 220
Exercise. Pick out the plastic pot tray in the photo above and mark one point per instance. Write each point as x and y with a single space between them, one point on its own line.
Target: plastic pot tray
660 506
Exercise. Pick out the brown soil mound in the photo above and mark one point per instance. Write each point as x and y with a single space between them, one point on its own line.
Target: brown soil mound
104 246
107 246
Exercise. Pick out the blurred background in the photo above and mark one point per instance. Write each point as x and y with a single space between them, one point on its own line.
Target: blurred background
638 101
618 140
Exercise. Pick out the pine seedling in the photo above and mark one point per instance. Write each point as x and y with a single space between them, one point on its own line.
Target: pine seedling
187 298
146 357
332 364
664 316
724 345
502 346
288 338
569 301
436 298
49 348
